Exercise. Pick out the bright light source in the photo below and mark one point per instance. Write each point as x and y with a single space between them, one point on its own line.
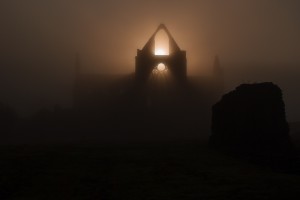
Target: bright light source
161 67
160 52
162 46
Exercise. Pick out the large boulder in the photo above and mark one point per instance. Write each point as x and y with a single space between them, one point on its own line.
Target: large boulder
251 120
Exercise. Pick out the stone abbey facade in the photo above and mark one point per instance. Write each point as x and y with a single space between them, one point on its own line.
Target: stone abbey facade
148 86
158 100
147 61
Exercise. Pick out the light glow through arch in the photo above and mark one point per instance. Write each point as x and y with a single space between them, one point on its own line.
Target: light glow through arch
160 52
161 67
162 43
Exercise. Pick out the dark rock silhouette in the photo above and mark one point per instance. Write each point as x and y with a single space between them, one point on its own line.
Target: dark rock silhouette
251 121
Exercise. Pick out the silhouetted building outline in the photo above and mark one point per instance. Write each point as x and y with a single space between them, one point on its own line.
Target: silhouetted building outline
144 88
146 60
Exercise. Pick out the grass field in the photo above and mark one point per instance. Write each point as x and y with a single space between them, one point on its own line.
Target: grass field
136 172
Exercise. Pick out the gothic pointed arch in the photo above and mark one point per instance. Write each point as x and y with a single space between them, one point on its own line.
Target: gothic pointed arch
146 60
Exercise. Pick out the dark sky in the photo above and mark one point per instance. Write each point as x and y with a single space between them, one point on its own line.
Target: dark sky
39 39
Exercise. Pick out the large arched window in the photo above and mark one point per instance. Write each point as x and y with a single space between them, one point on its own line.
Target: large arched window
162 43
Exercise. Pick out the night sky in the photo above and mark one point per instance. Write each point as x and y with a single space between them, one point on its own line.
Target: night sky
257 40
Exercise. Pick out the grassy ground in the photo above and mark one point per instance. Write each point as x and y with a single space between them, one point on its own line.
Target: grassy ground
158 172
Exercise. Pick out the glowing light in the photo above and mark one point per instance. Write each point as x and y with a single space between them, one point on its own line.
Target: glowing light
160 52
162 46
161 67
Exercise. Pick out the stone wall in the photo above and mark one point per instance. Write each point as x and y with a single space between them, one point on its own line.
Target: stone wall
251 120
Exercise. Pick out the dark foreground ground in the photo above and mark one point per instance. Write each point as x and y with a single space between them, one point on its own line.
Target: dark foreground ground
158 172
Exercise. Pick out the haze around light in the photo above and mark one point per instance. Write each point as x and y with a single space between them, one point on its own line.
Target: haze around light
256 40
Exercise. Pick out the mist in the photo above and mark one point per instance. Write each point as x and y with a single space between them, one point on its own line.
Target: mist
256 40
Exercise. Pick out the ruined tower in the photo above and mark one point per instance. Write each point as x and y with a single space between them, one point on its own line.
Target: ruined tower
147 60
